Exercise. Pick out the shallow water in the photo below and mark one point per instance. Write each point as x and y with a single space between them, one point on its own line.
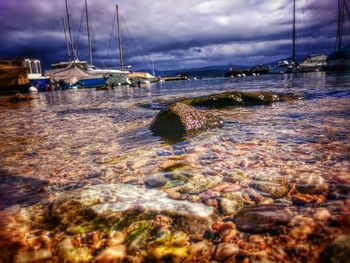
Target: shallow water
70 139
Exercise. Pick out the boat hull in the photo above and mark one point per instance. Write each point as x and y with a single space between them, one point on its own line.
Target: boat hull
118 79
339 60
338 64
92 83
41 84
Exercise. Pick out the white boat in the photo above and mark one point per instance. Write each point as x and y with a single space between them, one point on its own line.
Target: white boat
142 76
69 72
80 72
313 63
282 67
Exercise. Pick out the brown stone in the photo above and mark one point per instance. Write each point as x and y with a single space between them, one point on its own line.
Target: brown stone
180 120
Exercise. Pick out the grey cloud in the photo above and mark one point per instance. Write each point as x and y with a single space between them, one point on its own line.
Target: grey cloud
196 32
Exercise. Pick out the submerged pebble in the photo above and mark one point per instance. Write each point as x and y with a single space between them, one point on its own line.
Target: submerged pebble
112 254
264 163
155 180
311 184
262 218
226 251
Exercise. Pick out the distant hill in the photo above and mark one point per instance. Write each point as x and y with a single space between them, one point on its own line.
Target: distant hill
209 71
212 71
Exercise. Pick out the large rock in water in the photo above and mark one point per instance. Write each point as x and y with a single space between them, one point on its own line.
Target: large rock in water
236 98
180 120
262 218
119 205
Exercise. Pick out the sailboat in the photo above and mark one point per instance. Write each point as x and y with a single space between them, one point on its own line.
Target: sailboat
110 76
136 78
313 63
68 73
284 66
340 59
82 73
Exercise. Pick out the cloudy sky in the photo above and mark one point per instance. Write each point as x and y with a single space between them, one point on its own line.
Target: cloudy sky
172 33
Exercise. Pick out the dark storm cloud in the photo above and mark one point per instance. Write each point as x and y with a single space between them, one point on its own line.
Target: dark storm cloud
172 34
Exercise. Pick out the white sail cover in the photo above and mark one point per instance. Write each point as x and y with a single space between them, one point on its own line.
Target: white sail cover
141 75
70 74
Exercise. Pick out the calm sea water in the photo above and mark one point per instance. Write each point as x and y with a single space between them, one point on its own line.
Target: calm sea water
64 140
68 136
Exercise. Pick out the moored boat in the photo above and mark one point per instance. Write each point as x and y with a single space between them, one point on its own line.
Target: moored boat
18 74
340 58
142 76
313 63
282 67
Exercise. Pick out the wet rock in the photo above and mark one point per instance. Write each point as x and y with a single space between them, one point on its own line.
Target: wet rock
311 184
68 253
108 173
174 166
231 188
170 246
211 202
179 120
338 191
19 98
266 201
209 194
345 220
226 231
155 180
112 254
262 218
283 201
275 190
335 207
231 202
138 233
173 194
229 207
197 185
306 198
234 177
322 214
226 251
40 255
116 238
201 251
101 206
93 175
219 187
301 232
238 98
337 251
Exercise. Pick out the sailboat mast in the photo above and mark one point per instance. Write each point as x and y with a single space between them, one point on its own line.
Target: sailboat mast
340 27
88 31
294 33
120 41
67 40
153 69
70 33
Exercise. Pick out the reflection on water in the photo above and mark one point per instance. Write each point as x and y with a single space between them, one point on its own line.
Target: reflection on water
60 134
84 137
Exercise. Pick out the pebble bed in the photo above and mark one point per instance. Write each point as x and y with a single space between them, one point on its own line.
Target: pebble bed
271 185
